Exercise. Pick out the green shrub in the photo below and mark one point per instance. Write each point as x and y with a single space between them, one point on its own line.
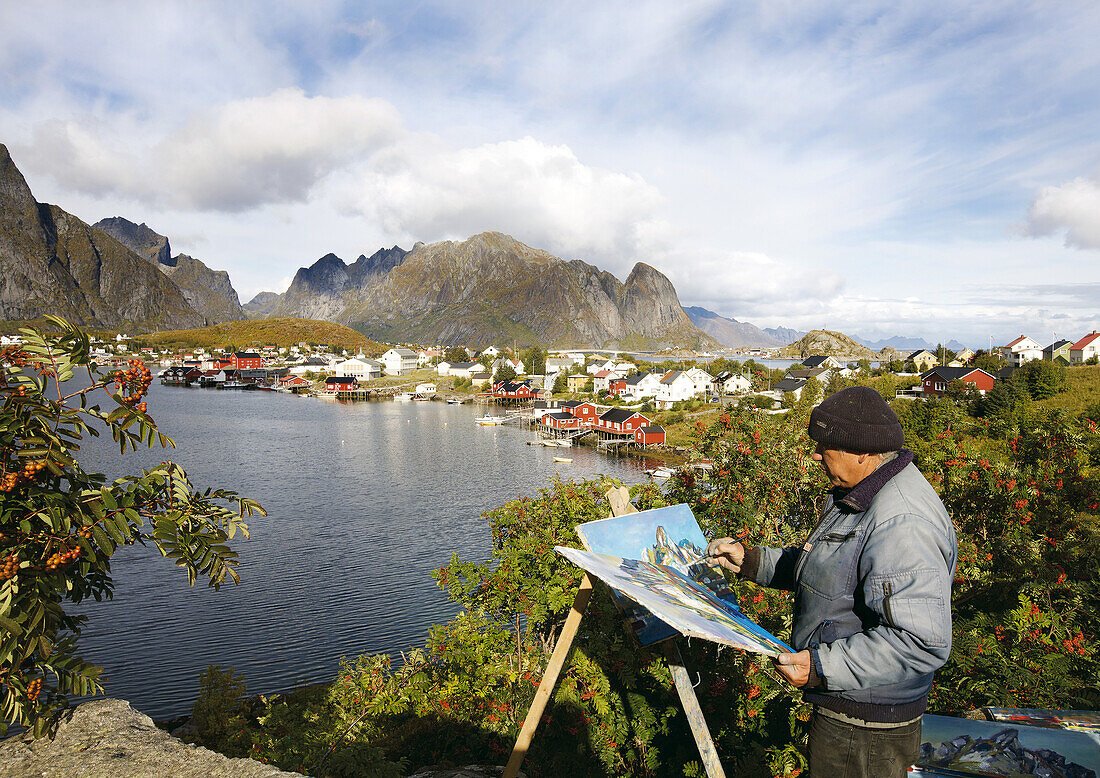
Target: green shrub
217 712
60 525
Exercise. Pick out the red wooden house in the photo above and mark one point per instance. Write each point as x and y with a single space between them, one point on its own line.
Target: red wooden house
934 382
341 383
620 421
246 360
616 385
585 411
561 420
294 382
650 435
513 390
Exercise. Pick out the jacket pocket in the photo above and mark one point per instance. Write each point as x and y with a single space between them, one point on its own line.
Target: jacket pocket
905 603
830 566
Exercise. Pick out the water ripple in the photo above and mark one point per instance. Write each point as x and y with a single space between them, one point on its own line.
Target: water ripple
363 501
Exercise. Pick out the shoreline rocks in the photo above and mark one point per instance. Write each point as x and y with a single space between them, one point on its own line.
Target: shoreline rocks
108 739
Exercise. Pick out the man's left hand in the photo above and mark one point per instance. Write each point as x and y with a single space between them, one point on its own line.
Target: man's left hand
794 667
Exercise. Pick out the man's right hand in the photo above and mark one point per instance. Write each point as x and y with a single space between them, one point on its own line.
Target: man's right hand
727 552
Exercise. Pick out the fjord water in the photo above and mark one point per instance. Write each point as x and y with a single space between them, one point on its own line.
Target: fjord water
364 500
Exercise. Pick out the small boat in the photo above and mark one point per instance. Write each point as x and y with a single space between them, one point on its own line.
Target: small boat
488 420
403 397
566 460
235 385
454 401
660 473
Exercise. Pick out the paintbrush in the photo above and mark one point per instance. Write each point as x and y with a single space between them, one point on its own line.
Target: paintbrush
703 558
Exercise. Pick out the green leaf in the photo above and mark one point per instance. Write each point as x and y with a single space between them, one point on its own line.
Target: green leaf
103 540
10 626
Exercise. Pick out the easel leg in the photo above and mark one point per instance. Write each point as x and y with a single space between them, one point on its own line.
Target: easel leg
694 713
549 678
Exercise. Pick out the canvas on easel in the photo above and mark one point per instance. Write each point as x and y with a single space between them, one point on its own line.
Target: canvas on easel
652 560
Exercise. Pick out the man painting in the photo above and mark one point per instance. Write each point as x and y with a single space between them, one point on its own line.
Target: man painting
872 589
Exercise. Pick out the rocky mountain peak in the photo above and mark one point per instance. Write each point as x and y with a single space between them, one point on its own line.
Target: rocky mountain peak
16 195
378 263
209 292
139 238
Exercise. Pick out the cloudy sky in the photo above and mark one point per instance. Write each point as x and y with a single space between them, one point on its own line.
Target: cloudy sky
927 169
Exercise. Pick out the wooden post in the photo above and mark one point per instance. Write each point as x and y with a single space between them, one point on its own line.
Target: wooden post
549 678
620 506
694 713
619 498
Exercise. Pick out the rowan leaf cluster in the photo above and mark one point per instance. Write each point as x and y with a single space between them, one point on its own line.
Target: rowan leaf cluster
60 525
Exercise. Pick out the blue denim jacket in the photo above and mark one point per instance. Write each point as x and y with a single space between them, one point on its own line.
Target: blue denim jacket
872 588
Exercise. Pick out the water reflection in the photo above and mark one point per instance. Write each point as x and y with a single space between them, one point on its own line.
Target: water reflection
364 499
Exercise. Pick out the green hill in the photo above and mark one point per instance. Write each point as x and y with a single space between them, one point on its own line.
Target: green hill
266 332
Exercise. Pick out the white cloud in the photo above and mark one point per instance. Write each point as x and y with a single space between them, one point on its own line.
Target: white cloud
748 281
540 193
238 156
1073 207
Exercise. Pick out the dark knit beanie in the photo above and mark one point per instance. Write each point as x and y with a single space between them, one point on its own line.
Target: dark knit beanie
857 419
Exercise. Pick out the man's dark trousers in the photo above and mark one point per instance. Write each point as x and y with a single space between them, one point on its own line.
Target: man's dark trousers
842 750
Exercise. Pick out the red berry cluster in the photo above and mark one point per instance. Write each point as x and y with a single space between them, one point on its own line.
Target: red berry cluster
10 567
133 383
29 471
62 558
34 688
14 355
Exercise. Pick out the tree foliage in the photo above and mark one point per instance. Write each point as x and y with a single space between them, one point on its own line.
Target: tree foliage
60 525
1041 378
456 354
505 372
534 360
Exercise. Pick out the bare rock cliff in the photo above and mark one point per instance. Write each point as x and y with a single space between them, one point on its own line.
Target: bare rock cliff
52 262
209 292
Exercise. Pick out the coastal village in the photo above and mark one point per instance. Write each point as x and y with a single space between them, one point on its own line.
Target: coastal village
607 398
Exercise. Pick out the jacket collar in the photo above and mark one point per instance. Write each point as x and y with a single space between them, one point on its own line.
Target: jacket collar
858 498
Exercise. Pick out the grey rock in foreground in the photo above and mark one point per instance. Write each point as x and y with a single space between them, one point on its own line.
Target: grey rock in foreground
109 739
469 771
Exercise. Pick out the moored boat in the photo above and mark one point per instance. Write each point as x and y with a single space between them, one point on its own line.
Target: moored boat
488 420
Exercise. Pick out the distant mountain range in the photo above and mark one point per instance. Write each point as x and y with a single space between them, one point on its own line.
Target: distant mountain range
733 333
52 262
908 345
489 288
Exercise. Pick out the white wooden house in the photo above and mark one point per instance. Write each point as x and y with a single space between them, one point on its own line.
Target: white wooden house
703 381
1022 349
398 361
1085 349
674 386
360 367
640 386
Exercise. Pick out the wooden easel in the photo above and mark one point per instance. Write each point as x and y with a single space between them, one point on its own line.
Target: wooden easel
620 506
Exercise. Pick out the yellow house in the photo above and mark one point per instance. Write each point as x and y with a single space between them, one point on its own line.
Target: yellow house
923 359
577 383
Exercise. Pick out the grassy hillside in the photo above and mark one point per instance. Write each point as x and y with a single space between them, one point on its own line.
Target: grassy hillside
1082 390
266 332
